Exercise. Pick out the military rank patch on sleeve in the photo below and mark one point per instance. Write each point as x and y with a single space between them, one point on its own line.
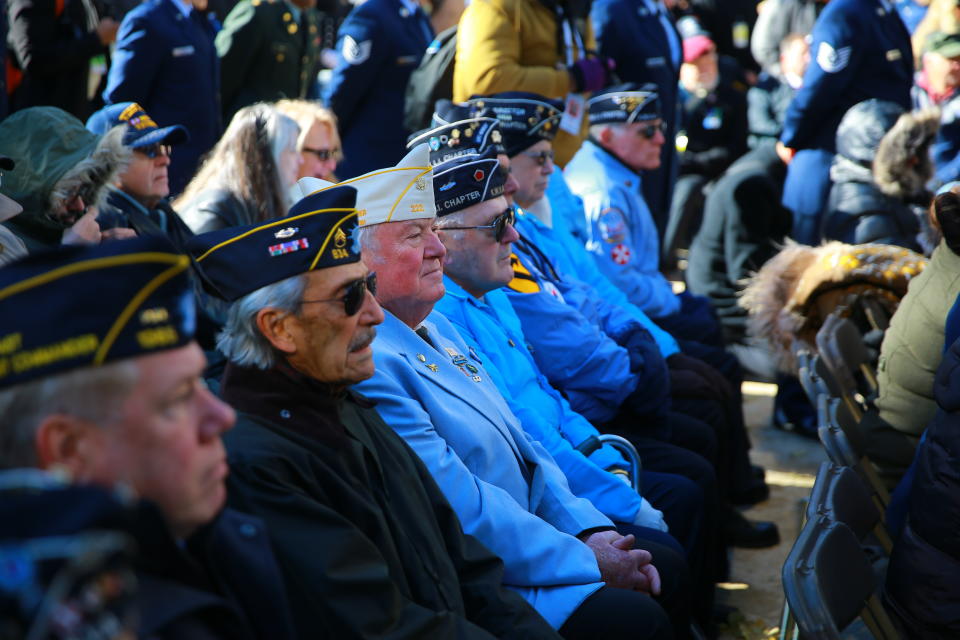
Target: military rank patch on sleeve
354 52
833 60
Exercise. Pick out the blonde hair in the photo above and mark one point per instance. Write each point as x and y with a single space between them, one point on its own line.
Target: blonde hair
246 162
306 113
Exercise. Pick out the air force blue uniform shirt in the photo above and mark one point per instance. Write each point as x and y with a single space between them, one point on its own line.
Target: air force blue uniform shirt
380 43
860 50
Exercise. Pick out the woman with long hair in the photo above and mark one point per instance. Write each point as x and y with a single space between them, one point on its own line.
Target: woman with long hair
248 175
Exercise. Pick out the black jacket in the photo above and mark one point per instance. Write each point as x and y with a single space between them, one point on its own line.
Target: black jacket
54 53
923 578
223 583
368 544
743 222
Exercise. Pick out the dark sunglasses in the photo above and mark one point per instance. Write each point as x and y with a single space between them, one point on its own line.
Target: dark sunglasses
540 157
651 130
323 154
356 293
499 224
154 150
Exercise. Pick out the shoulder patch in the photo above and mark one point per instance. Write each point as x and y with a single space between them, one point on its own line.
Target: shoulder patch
354 52
833 60
612 225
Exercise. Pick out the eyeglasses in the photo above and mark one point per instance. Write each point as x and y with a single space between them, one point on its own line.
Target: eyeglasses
651 130
356 294
323 154
540 157
499 224
155 150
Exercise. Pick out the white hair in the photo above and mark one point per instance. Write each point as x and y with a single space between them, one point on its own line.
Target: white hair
241 340
92 394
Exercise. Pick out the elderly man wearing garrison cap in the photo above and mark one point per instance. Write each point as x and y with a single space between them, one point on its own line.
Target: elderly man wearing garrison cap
100 379
367 542
433 390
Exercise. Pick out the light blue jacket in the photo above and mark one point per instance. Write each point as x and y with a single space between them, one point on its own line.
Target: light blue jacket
506 489
564 243
620 232
491 327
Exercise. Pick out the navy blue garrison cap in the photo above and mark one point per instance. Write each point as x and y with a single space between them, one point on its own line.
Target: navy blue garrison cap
316 234
458 133
466 181
87 306
624 104
525 118
141 130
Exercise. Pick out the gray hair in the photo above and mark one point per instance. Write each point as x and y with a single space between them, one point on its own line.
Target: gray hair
92 394
241 340
596 129
365 240
455 219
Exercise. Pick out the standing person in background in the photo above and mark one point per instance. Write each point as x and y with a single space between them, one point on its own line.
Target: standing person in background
539 46
380 43
52 45
269 50
860 50
319 142
165 61
640 36
777 20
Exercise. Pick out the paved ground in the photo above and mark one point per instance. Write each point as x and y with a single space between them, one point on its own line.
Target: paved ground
791 462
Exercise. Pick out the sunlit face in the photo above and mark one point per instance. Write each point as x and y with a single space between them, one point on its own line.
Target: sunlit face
795 58
475 260
166 444
630 144
532 168
942 71
702 73
289 168
331 346
408 258
319 152
146 178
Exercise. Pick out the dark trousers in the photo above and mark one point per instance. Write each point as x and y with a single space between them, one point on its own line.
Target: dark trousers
618 613
805 192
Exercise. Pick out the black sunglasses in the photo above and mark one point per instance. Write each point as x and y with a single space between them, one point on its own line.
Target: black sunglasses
651 130
356 293
499 224
323 154
540 157
155 150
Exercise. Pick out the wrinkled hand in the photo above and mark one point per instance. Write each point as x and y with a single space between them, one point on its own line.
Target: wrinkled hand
117 233
622 566
84 231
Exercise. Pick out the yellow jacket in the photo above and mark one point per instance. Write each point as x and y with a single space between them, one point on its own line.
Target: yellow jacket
511 45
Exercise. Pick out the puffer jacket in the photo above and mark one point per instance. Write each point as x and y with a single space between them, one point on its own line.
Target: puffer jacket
56 158
878 192
912 346
923 578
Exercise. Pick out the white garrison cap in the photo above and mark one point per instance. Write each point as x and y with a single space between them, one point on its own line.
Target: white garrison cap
395 194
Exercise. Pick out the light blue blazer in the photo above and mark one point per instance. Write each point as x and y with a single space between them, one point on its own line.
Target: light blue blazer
504 486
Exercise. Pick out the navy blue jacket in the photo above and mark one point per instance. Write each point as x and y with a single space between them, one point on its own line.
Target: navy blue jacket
628 32
380 44
860 50
923 586
167 63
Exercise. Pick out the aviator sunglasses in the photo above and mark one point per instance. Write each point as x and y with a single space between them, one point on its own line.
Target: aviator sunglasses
651 130
499 224
356 293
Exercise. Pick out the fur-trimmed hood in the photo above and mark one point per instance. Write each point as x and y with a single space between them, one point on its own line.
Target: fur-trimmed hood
56 158
793 293
880 144
902 166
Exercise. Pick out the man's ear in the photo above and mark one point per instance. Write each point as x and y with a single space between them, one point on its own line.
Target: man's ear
275 325
67 442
